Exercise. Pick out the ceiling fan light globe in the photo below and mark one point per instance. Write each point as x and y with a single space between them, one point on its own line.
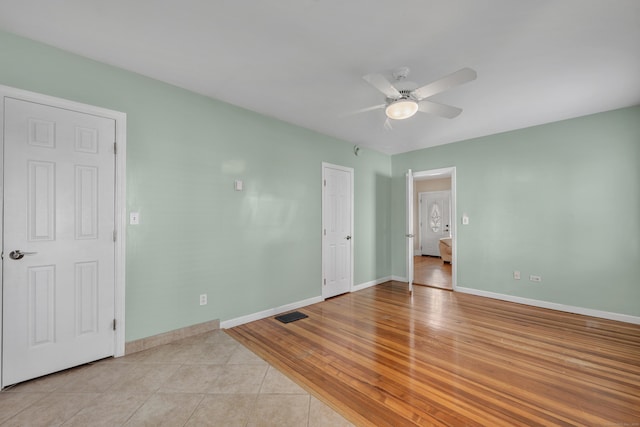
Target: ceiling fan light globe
401 109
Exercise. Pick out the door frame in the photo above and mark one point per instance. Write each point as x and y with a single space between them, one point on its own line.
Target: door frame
351 225
409 229
449 171
120 196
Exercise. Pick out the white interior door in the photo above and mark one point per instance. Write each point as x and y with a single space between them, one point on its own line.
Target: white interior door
435 220
337 225
409 235
58 248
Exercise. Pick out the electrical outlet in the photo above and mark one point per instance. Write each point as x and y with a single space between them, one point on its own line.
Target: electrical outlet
203 299
516 275
533 278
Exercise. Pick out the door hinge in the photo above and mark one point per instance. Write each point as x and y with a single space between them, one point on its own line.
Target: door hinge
115 235
325 231
115 148
325 281
325 182
114 324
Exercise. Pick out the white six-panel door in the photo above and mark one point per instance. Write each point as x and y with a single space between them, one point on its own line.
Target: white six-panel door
337 239
58 301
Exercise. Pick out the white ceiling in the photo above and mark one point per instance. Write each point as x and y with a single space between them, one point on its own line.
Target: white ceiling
302 61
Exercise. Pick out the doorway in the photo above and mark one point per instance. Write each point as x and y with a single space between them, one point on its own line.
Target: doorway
434 217
428 267
63 258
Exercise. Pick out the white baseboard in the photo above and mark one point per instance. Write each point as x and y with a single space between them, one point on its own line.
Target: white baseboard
504 297
295 305
366 285
267 313
417 252
553 306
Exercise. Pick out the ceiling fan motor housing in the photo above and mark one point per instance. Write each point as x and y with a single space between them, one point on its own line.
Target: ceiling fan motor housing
405 94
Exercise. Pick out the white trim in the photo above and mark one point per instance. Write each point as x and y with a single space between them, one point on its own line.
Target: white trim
322 187
366 285
293 306
450 171
120 193
409 232
553 306
121 233
510 298
1 223
268 313
418 251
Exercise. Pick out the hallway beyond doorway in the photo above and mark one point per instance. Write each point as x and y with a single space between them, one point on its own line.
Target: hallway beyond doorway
432 271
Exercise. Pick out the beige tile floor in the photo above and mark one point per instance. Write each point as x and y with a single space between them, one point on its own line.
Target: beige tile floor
206 380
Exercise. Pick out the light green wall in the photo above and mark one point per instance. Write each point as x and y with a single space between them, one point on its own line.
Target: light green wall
560 200
251 250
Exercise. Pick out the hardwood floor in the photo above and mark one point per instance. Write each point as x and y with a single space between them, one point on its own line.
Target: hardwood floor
382 357
432 271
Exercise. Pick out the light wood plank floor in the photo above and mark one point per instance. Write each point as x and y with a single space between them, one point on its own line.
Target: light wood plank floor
382 357
432 271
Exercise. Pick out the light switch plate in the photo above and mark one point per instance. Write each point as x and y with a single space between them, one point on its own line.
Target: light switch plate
134 218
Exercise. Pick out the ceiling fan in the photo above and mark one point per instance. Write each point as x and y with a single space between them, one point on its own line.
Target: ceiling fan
404 98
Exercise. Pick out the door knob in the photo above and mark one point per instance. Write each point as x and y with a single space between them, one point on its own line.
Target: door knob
348 237
18 254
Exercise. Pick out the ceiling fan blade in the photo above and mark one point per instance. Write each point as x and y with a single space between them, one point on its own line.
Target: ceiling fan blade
382 84
454 79
387 124
364 110
441 110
